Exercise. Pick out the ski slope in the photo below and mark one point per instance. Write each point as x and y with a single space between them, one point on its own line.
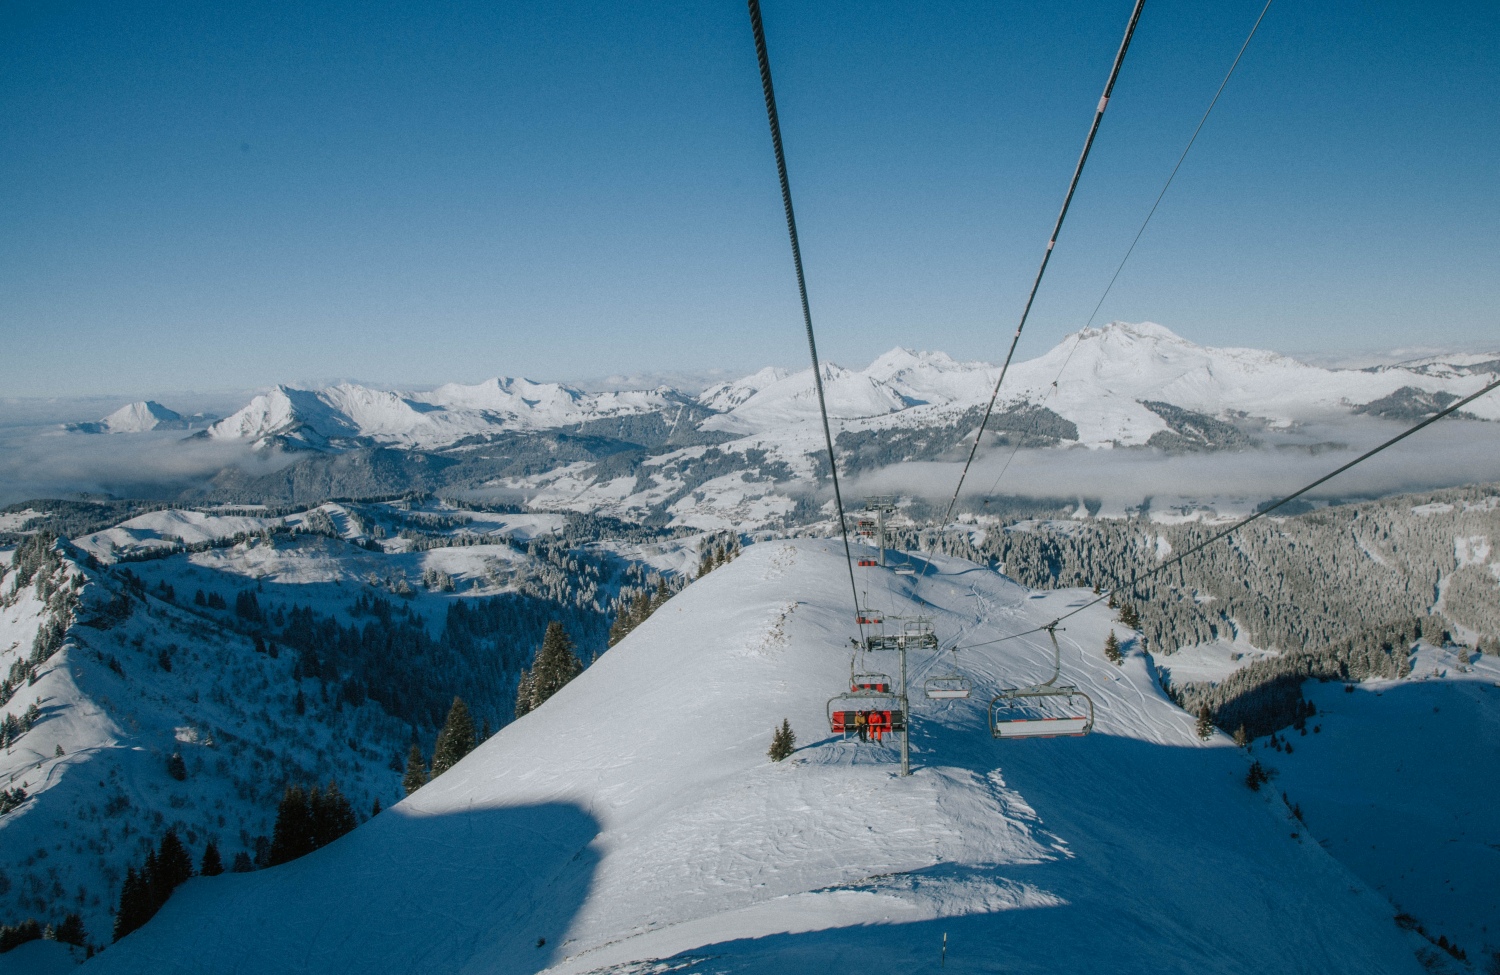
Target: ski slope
635 816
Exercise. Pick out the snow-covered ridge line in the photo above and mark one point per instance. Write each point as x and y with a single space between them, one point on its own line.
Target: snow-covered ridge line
1109 372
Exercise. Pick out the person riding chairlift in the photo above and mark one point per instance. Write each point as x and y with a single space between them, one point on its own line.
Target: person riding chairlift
860 725
877 725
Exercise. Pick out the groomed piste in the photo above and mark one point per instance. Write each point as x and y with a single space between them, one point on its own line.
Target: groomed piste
635 817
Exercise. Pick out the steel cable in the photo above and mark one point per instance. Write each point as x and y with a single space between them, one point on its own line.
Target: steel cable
1261 513
791 228
1088 144
1052 390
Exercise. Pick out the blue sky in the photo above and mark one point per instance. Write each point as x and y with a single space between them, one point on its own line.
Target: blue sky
228 195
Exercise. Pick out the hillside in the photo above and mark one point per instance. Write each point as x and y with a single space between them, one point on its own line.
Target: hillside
635 816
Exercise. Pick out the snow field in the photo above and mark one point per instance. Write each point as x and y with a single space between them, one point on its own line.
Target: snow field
635 817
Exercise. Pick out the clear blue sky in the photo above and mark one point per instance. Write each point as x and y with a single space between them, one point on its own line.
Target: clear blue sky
226 195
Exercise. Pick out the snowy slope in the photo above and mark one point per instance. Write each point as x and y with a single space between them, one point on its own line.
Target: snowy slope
635 816
1397 784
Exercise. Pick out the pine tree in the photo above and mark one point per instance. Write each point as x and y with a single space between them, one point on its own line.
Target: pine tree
72 932
134 907
523 695
783 742
1240 737
173 866
176 767
332 816
1112 649
455 740
211 866
1130 617
292 836
1205 723
555 665
416 770
375 809
242 863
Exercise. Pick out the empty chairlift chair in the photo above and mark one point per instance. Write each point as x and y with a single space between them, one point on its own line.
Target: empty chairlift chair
1008 717
948 686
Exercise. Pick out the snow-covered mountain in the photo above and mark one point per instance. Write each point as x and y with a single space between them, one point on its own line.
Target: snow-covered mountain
634 824
346 414
135 418
1102 378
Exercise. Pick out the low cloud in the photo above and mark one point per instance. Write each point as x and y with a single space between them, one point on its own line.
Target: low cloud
1449 453
49 463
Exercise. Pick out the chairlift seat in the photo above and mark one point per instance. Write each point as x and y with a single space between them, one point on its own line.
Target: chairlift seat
948 687
886 721
1069 727
868 562
867 620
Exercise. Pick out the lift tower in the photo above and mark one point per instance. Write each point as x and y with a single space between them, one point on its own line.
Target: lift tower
881 507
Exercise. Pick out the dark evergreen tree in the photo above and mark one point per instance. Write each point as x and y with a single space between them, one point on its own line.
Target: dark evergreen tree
1112 649
72 932
242 863
455 740
332 816
211 866
783 742
416 770
135 904
375 809
555 665
1256 776
1240 737
173 867
15 935
292 835
176 767
1130 617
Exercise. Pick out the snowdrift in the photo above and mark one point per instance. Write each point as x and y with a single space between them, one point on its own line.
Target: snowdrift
635 816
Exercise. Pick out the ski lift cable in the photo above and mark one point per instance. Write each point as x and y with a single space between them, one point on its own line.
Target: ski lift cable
1052 390
1261 513
791 226
1088 144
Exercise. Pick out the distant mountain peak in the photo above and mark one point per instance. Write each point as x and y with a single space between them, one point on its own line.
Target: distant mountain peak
136 417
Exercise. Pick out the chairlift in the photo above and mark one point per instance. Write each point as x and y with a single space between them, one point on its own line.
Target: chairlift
868 563
877 713
874 683
949 686
1005 724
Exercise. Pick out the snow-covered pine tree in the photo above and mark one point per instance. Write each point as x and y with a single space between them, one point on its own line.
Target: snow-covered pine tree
555 665
523 694
1112 649
455 740
416 770
1205 723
